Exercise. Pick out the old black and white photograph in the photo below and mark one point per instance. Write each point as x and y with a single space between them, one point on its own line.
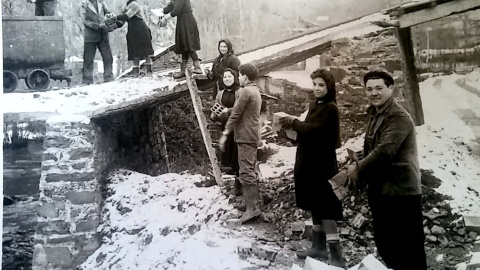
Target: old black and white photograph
240 134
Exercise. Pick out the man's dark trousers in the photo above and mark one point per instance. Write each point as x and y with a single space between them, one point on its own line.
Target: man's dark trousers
398 230
90 48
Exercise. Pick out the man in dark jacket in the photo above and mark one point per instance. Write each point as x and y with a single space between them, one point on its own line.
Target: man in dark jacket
391 171
44 7
244 121
96 36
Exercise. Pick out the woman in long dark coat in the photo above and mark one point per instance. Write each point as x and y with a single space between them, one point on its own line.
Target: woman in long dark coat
226 97
316 162
187 37
226 59
139 37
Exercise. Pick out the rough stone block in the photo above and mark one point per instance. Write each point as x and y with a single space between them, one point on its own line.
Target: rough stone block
80 165
90 224
474 263
371 263
58 142
338 73
312 264
82 197
60 257
39 260
50 209
64 239
73 177
81 152
88 246
472 223
392 65
53 227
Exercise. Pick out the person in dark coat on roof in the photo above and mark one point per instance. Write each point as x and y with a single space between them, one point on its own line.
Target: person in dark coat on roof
316 162
226 59
391 172
139 37
187 37
227 97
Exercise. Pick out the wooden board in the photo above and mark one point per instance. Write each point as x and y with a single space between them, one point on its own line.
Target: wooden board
437 12
202 122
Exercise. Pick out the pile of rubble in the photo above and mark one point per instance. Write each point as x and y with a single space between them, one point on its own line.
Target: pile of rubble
447 238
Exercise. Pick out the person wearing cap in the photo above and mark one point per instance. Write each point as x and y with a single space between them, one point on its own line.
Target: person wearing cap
244 122
391 173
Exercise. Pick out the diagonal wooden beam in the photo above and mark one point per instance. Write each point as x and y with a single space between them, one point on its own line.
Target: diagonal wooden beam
202 122
437 12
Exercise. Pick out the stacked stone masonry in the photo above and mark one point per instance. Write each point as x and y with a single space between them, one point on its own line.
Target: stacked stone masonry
70 197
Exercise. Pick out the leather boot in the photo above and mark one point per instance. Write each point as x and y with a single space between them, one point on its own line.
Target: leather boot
183 67
251 196
237 188
135 72
149 70
197 67
336 254
318 249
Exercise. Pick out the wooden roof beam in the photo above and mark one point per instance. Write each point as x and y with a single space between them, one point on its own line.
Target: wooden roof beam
437 12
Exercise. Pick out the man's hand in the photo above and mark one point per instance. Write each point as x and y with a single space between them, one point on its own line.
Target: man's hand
222 142
103 27
352 172
287 121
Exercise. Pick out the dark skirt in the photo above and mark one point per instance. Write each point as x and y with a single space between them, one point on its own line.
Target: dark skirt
187 37
139 39
313 192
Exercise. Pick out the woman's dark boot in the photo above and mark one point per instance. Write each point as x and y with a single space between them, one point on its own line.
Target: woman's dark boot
149 70
251 195
318 249
135 72
183 67
336 254
197 68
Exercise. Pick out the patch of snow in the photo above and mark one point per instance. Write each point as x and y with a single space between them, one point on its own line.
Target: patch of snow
72 118
165 222
86 99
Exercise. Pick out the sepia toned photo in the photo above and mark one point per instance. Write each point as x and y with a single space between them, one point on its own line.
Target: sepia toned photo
241 134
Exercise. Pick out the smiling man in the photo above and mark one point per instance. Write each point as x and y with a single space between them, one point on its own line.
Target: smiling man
391 172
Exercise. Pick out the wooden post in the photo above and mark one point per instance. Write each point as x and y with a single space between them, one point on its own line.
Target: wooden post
411 92
202 122
163 150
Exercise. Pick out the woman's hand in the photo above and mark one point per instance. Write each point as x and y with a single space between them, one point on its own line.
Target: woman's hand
287 121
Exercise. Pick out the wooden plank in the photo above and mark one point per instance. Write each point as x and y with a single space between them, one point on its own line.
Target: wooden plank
292 56
202 122
411 91
437 12
164 150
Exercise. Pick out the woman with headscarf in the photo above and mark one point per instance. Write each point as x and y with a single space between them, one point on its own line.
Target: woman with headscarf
226 98
187 38
139 37
316 162
226 59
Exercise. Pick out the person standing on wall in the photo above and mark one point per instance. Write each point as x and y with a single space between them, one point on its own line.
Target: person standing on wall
139 37
226 59
391 172
316 162
94 13
226 97
244 121
187 37
44 7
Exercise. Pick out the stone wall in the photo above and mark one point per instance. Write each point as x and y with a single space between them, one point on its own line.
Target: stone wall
70 196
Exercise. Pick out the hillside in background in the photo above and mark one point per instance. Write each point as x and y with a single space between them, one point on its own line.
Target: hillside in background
248 23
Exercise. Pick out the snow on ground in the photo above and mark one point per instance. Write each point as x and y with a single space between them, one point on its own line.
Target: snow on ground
166 222
445 141
86 99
